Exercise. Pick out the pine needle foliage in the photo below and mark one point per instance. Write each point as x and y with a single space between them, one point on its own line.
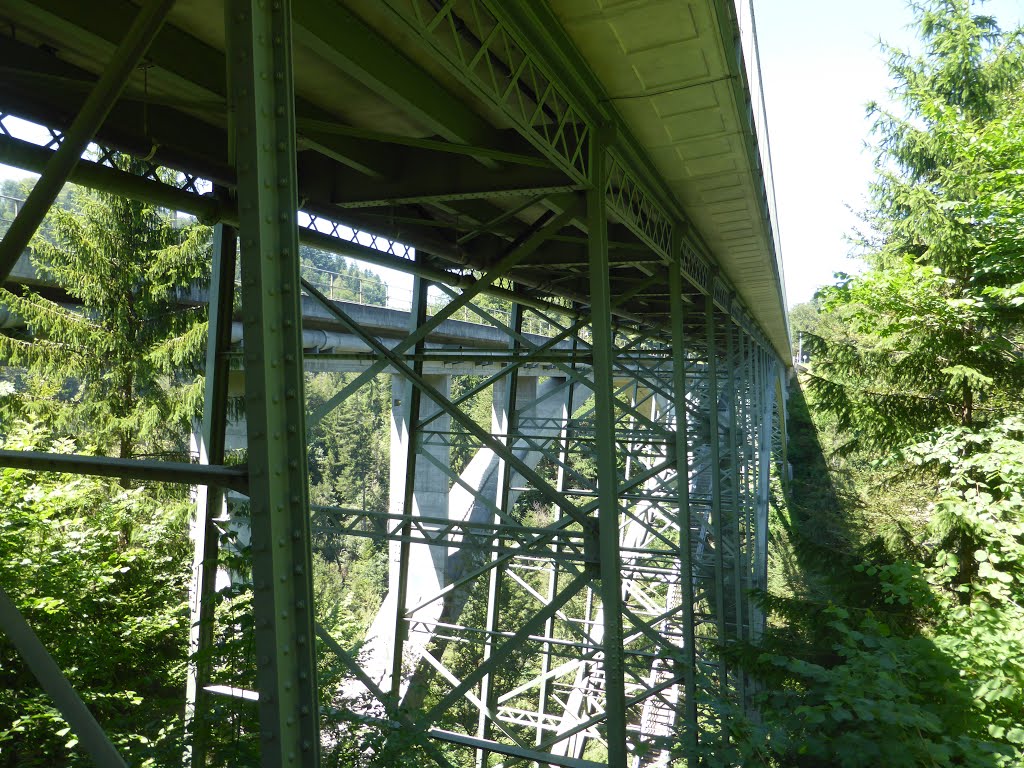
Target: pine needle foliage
931 332
116 357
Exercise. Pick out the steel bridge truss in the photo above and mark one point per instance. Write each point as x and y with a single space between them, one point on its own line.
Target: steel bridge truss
562 598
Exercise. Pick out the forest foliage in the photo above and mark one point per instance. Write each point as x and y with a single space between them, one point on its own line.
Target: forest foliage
898 635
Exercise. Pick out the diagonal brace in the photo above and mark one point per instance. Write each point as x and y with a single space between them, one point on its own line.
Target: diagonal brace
145 27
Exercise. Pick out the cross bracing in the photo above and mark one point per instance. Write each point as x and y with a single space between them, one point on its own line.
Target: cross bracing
618 497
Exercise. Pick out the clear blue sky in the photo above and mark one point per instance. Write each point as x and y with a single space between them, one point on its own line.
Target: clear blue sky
821 63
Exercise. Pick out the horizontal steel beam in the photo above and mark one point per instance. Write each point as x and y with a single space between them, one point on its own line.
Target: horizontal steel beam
235 478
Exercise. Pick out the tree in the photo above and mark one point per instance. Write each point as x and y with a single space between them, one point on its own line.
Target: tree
111 611
117 359
904 651
931 332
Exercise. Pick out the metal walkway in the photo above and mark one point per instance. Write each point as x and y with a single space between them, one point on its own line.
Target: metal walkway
597 167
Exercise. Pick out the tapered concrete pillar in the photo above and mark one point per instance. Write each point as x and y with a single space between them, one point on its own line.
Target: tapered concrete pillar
426 563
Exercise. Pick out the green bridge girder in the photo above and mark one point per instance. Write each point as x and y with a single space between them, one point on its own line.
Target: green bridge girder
596 166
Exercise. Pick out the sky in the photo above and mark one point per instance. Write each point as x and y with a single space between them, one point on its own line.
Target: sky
821 63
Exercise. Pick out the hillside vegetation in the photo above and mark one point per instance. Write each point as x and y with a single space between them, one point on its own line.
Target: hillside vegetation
898 627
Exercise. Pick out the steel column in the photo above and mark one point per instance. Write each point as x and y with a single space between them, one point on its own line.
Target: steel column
209 499
690 731
716 485
261 88
411 415
508 414
607 471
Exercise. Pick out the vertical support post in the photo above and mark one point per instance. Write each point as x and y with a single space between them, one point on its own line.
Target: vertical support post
565 438
716 485
101 99
675 283
501 498
209 498
604 445
412 415
262 93
733 360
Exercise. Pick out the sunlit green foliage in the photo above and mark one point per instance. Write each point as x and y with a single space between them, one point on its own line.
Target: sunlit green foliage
896 637
96 570
120 368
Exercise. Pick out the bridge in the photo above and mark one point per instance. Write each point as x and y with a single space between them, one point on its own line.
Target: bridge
598 168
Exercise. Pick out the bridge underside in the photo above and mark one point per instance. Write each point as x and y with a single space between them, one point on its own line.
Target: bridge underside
558 594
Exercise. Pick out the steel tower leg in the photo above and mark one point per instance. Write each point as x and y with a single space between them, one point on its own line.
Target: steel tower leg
690 735
209 498
261 90
607 471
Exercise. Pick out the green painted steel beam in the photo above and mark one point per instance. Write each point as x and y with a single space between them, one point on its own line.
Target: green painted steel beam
607 472
349 43
502 148
146 24
209 499
425 178
260 74
235 478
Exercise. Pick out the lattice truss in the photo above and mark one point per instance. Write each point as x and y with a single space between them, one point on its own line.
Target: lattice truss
506 636
492 634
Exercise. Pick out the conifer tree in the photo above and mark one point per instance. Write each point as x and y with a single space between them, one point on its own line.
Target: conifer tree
932 334
115 363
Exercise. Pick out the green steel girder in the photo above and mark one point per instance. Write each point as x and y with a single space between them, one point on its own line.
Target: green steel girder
144 27
259 71
356 48
421 177
233 477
